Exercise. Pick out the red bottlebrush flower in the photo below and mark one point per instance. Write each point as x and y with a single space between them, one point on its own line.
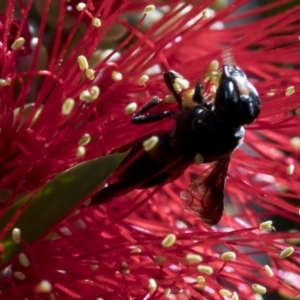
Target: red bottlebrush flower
71 75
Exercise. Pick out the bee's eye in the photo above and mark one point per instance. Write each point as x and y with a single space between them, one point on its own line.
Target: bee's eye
197 124
197 121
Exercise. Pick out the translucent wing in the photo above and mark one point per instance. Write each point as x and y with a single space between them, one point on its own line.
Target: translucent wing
206 192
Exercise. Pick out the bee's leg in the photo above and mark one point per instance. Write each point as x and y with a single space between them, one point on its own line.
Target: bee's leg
142 117
109 193
170 77
198 94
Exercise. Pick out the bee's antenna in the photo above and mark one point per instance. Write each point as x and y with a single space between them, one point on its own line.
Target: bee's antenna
227 57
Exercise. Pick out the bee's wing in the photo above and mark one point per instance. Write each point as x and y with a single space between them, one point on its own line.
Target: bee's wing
206 193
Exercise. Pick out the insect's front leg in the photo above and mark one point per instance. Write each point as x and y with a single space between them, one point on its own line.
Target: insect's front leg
170 77
198 94
143 117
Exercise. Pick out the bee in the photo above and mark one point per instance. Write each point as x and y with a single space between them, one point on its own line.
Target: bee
207 131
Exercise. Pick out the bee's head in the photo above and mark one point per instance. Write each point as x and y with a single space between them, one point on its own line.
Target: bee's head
237 102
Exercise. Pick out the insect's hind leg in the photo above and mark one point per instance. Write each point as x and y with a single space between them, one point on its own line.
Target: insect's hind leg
143 117
109 193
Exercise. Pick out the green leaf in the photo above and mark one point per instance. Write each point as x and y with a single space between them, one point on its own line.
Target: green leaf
53 201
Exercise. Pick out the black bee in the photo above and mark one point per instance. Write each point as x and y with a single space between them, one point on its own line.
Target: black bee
206 131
